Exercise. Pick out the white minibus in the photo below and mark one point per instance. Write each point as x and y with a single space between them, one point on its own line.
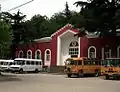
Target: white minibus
26 65
5 65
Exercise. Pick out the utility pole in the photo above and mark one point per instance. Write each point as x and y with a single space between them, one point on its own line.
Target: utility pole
20 5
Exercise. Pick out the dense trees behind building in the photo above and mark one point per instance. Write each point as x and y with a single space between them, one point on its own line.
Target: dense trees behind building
101 16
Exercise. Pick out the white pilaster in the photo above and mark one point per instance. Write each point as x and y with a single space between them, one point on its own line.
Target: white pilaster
58 51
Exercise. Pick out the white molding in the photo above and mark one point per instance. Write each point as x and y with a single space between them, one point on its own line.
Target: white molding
44 39
79 43
59 45
36 53
102 53
47 62
110 52
92 35
20 52
118 51
67 32
89 51
58 50
30 52
61 29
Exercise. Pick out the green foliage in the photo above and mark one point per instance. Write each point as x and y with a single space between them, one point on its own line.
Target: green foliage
101 16
5 39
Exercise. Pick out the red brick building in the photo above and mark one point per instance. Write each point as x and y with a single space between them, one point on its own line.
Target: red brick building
62 44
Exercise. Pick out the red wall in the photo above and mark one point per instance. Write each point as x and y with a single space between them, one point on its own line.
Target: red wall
111 42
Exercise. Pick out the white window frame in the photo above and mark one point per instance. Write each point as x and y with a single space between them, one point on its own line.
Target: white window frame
118 51
19 53
76 53
30 52
109 52
89 51
36 53
46 56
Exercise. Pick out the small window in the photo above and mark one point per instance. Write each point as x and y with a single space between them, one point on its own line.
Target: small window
28 62
39 63
36 62
22 62
1 63
32 62
80 62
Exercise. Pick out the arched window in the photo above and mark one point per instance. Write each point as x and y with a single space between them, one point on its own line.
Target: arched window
29 54
47 55
92 52
38 54
118 51
74 49
20 55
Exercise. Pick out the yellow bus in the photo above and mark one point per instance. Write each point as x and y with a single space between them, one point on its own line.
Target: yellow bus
82 66
110 68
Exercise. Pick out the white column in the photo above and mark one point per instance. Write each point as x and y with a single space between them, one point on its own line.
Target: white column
58 51
102 53
79 46
110 53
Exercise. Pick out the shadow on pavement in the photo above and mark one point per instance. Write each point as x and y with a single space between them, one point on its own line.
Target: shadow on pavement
6 78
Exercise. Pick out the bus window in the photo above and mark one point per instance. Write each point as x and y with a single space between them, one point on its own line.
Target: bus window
79 62
1 63
40 63
32 62
28 62
22 62
85 62
36 62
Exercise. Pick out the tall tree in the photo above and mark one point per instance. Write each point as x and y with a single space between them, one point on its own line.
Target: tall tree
16 21
5 40
67 12
101 16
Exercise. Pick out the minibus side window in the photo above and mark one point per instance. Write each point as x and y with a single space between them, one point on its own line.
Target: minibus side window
22 62
1 63
28 62
40 63
36 62
32 62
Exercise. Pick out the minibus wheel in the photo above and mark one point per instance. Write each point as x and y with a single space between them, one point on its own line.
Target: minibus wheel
21 71
36 70
69 75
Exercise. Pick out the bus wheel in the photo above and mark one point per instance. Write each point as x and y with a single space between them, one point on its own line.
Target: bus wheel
36 71
69 75
81 75
97 73
21 71
107 77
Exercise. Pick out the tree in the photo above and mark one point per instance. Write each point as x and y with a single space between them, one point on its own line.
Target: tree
16 21
5 40
101 16
36 27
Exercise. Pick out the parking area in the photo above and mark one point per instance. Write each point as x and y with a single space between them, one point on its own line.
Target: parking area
55 83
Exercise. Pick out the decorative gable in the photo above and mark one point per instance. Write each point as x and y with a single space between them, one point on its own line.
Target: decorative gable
66 26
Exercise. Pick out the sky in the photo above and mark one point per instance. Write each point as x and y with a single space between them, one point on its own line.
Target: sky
43 7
